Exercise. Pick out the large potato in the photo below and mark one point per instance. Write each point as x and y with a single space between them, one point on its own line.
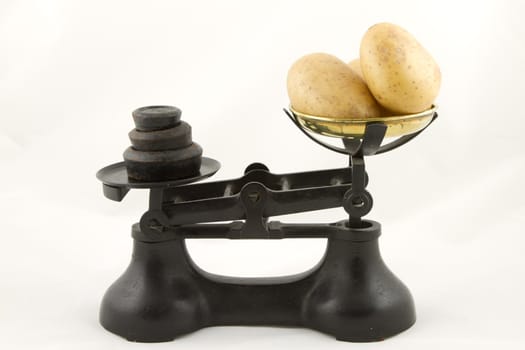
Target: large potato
323 85
399 72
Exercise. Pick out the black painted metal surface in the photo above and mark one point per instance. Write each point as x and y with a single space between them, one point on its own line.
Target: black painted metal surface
350 294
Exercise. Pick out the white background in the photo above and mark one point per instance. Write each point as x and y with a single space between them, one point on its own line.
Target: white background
451 202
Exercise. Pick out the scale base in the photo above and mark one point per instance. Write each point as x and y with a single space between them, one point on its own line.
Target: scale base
351 294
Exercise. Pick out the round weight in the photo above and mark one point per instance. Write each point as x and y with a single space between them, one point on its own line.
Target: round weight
162 140
152 118
163 165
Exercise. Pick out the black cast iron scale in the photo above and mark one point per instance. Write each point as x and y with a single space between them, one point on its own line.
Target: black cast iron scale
350 294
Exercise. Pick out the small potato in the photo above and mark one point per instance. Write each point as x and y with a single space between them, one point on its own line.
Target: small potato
356 67
399 72
323 85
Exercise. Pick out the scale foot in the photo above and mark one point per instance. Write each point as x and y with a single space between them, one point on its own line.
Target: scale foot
155 300
356 297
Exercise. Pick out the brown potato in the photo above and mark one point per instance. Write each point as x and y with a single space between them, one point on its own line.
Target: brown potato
323 85
399 72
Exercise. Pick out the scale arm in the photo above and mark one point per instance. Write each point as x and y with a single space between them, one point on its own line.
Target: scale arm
257 195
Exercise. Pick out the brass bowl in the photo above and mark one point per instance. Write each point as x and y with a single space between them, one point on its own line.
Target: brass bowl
398 125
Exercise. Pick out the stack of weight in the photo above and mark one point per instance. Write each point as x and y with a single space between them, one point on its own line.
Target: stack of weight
162 148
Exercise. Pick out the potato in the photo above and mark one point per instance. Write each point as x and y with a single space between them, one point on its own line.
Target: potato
399 72
356 67
321 84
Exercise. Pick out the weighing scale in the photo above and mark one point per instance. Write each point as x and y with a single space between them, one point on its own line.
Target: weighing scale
350 294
